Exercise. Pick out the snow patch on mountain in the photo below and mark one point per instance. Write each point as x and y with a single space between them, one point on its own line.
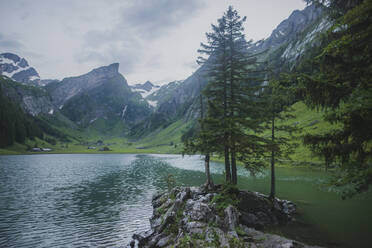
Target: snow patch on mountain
153 103
18 69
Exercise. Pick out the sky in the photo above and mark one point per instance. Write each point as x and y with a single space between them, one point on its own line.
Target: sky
154 40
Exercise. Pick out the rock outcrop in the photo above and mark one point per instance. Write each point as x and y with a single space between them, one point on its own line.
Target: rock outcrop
195 217
33 100
69 87
102 94
18 69
287 30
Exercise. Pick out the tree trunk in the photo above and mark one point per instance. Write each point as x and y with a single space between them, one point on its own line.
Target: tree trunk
234 174
209 183
227 163
272 192
226 134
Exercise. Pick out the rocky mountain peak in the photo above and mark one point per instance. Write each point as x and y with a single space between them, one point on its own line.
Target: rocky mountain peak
147 86
287 29
71 86
106 71
18 69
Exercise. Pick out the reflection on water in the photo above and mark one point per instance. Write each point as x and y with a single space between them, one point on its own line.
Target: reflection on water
101 200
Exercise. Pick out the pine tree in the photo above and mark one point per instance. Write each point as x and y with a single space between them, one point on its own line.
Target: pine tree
202 143
233 102
216 67
279 97
341 85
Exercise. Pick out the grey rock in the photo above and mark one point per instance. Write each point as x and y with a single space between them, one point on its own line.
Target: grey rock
70 87
25 75
11 56
101 94
147 86
198 211
7 68
32 100
194 227
199 220
23 63
163 241
287 29
231 220
184 195
19 68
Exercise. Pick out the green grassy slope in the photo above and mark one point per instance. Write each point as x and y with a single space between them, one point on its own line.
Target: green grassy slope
310 122
168 140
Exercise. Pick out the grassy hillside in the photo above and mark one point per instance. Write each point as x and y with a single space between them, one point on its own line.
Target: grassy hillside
168 140
310 122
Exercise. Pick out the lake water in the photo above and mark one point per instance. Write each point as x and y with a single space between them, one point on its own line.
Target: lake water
86 200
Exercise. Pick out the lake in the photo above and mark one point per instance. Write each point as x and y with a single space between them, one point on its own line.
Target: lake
100 200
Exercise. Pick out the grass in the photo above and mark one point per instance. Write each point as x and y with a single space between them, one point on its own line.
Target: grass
168 140
310 122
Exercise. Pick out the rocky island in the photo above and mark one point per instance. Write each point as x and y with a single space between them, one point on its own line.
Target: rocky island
222 217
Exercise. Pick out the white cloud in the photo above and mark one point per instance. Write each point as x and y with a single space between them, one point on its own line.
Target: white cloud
152 40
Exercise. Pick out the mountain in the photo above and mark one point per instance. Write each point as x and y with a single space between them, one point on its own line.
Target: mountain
161 95
288 29
18 69
102 100
146 89
33 100
291 38
102 93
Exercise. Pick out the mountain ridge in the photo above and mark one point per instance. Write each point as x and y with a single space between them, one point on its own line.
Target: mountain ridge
18 69
104 96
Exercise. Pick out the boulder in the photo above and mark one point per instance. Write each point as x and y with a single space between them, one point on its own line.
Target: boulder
187 216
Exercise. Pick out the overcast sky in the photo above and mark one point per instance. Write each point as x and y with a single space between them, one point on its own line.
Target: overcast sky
154 40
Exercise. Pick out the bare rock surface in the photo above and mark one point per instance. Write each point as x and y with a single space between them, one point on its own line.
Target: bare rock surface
196 217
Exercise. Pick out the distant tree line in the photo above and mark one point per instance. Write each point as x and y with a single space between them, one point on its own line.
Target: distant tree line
15 125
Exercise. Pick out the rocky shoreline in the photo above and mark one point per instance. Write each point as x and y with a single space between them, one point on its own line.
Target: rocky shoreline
222 217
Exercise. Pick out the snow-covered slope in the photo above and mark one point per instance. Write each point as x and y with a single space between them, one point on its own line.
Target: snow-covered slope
146 89
18 69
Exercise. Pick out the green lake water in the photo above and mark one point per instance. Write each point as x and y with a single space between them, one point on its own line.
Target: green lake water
101 200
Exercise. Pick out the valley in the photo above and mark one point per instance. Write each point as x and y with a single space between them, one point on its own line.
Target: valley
264 143
101 109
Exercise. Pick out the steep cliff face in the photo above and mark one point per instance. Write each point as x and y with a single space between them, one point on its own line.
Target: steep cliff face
288 29
287 42
32 100
62 91
180 103
102 93
176 100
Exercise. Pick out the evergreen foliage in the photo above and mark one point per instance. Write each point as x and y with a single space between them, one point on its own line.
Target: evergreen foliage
340 84
235 108
280 94
335 8
15 125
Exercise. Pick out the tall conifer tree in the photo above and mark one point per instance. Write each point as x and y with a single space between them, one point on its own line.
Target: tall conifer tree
234 105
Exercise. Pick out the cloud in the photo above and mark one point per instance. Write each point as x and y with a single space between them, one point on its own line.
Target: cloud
8 44
152 17
154 40
129 40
